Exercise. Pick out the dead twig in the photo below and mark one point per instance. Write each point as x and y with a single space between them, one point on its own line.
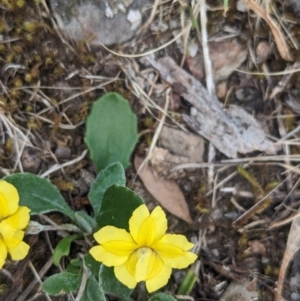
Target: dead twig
230 130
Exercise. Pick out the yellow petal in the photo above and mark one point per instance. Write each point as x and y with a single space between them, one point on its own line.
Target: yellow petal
173 249
160 279
9 199
160 223
107 258
115 240
123 275
20 219
145 264
2 262
12 237
157 276
147 229
131 263
3 253
19 251
136 221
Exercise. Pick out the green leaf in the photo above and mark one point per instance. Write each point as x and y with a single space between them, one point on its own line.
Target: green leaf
61 283
111 284
85 222
39 194
162 297
117 206
111 131
76 262
112 174
187 283
225 5
93 291
74 269
63 248
75 266
92 264
194 22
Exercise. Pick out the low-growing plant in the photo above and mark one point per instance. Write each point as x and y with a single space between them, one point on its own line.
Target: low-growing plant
125 243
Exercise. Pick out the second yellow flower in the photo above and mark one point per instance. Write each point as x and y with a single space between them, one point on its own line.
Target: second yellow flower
147 253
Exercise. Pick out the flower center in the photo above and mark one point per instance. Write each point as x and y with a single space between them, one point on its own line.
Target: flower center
143 251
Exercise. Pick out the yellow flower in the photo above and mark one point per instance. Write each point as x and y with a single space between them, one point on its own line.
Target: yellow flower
13 219
144 254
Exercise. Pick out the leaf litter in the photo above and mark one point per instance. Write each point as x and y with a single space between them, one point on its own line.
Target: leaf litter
231 130
48 105
166 192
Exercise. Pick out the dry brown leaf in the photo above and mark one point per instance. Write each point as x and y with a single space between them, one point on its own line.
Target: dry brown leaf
166 192
292 246
279 38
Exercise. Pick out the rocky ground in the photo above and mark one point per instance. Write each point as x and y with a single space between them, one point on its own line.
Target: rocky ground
219 128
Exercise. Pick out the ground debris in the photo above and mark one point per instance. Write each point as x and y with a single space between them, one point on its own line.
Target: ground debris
183 144
163 162
226 56
279 38
166 192
292 246
245 291
231 130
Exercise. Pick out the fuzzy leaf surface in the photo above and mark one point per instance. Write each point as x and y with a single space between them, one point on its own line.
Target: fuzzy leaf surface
112 174
39 194
61 283
117 206
111 131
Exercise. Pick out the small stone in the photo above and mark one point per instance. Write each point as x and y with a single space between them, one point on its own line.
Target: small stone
159 26
295 296
83 184
192 49
175 102
263 52
232 215
135 18
31 159
241 6
226 56
216 253
222 89
257 247
182 144
87 176
63 152
295 282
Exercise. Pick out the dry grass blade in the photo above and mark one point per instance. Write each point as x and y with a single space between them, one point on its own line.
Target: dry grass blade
281 86
278 36
61 166
288 220
292 246
260 206
149 51
36 280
